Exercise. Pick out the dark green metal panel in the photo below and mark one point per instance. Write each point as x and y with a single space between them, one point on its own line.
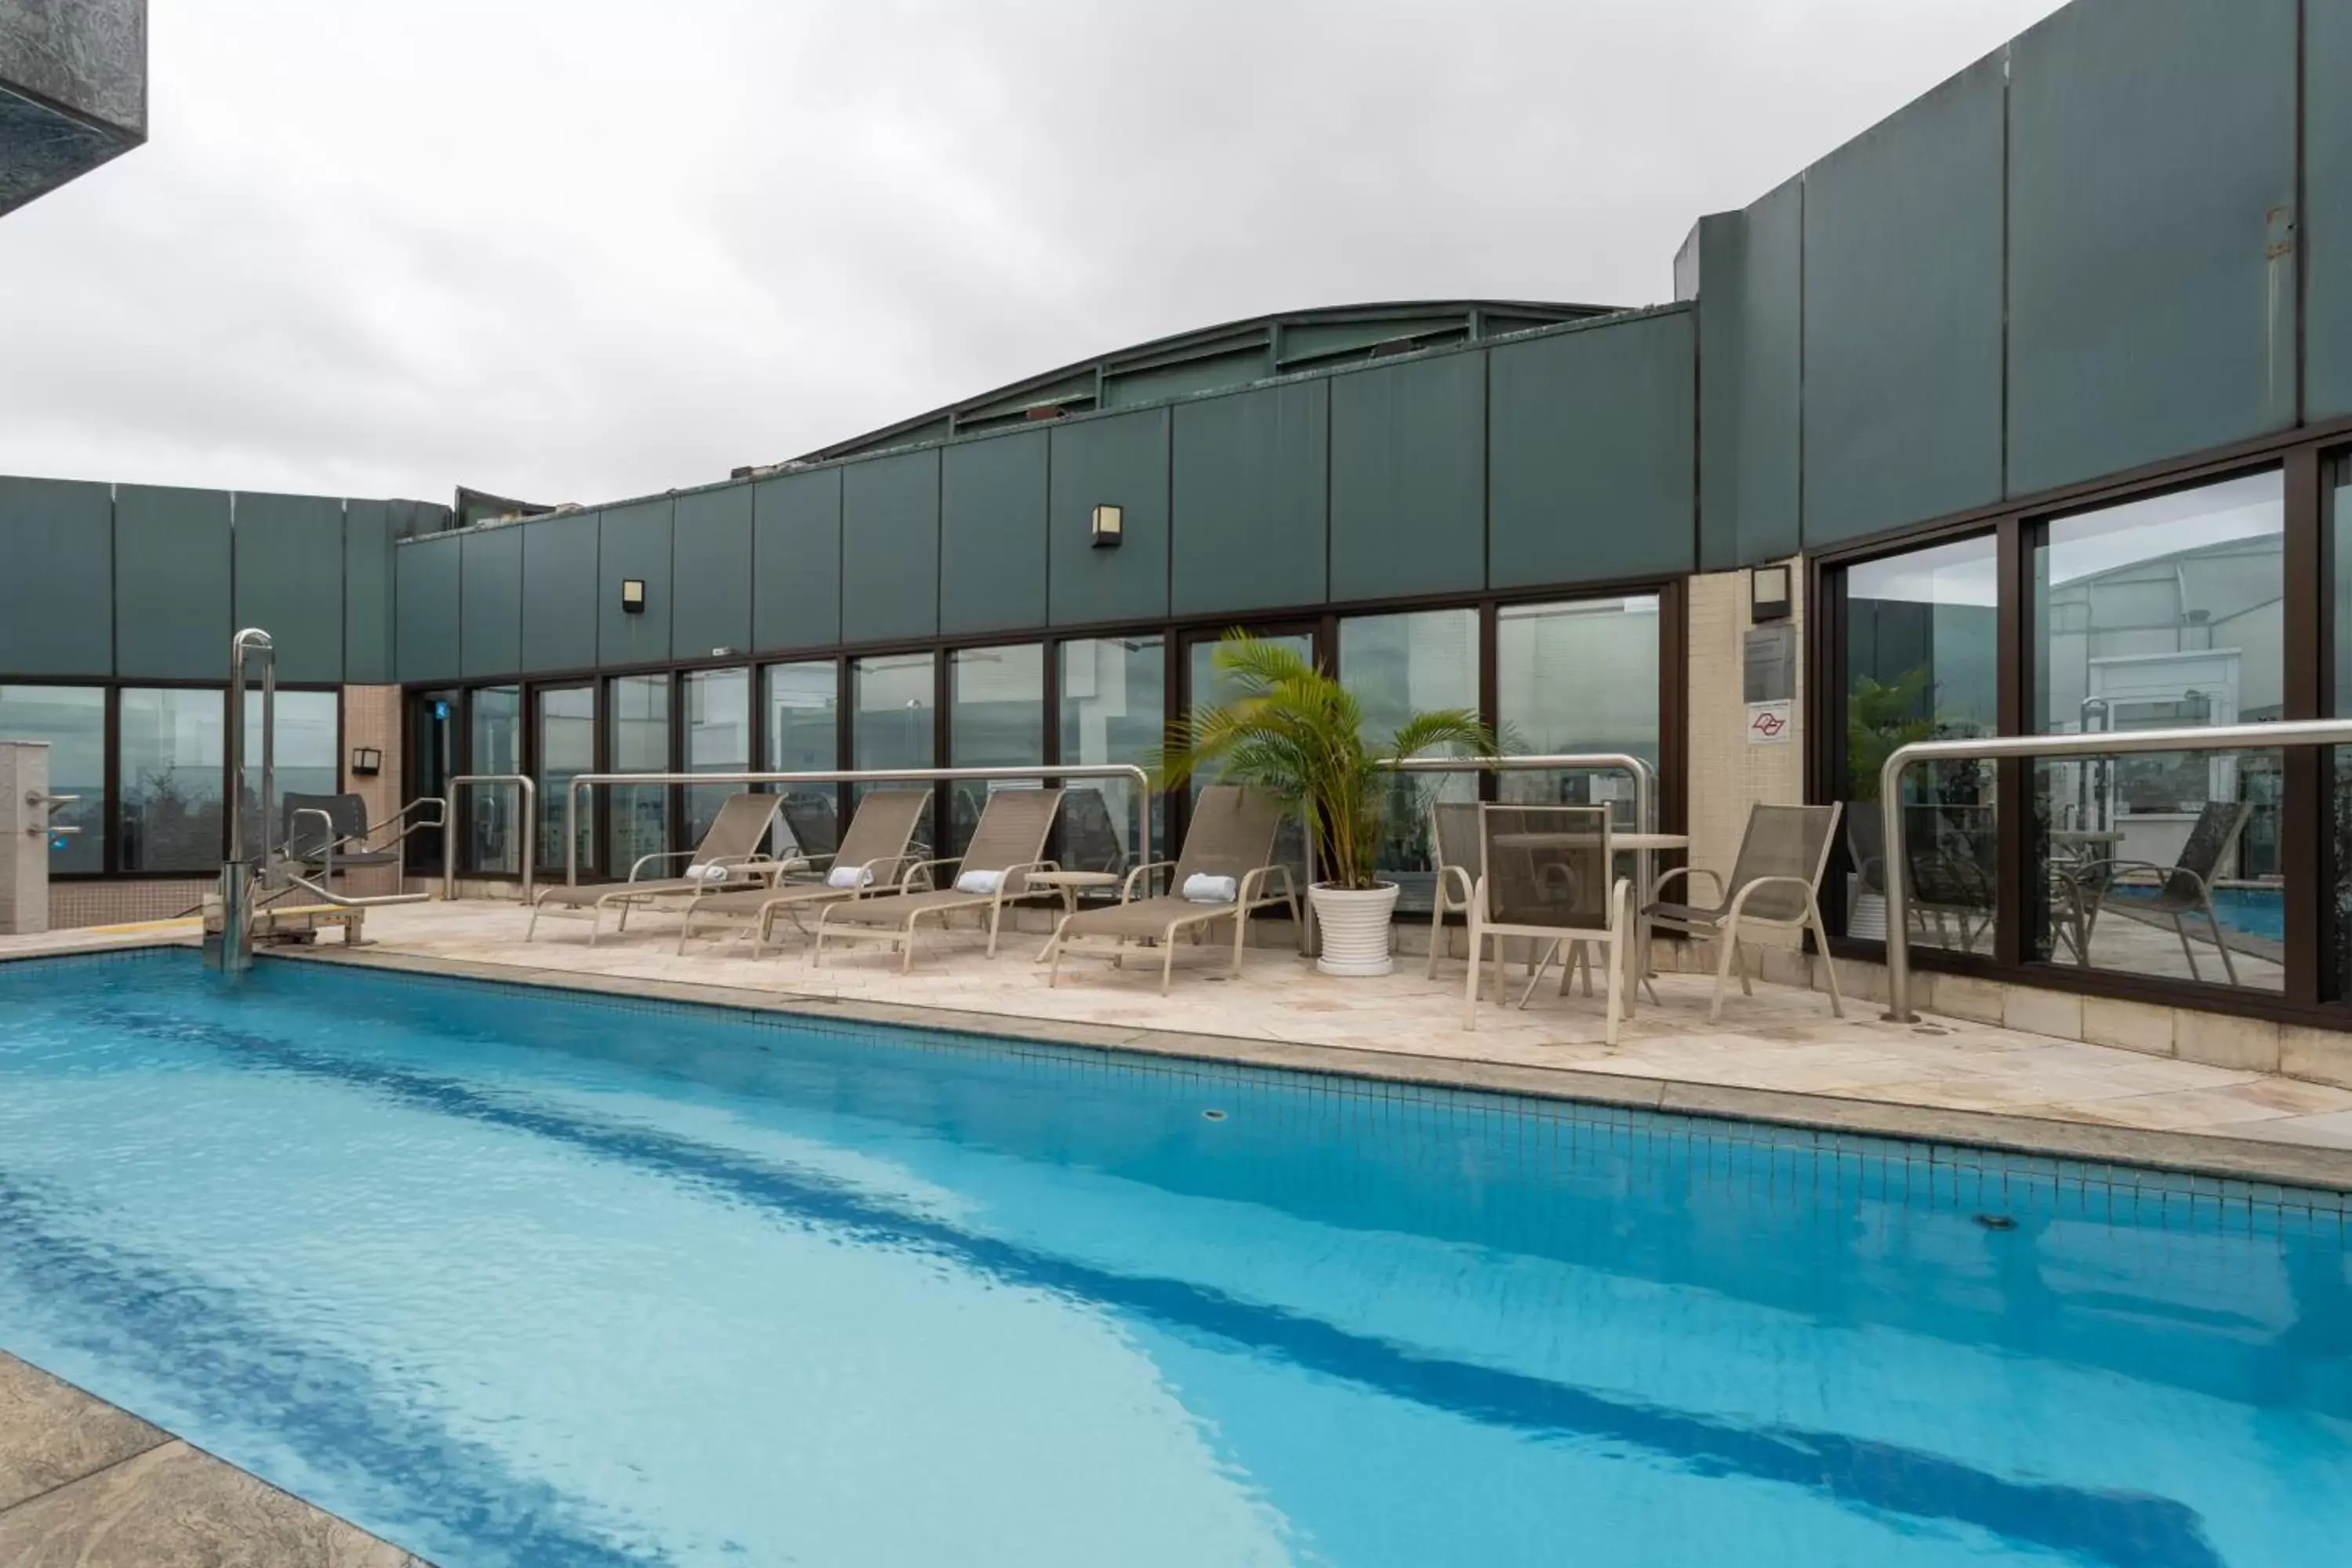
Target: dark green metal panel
289 573
633 542
1123 462
711 585
1409 478
171 566
2326 227
1903 315
490 606
993 534
429 588
796 559
2151 160
1589 462
1749 267
559 593
890 548
367 591
56 578
1251 499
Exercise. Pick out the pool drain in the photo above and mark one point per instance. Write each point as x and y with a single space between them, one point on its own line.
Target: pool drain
1996 1222
1212 1116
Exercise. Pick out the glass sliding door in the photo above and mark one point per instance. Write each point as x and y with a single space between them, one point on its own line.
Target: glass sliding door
2335 491
1920 660
1576 677
493 745
996 718
308 742
2163 613
1397 666
432 738
1208 686
637 718
1114 700
170 751
894 703
802 707
565 719
72 720
718 741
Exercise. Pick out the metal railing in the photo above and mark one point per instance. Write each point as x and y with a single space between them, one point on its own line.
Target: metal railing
526 819
283 861
2107 744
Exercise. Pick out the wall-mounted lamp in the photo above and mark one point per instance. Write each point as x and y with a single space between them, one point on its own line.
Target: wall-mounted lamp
366 761
633 595
1105 527
1768 594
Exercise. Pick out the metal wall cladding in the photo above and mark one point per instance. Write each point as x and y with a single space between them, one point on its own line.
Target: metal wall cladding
890 548
1751 266
290 571
1120 461
1251 500
559 593
1903 315
796 561
1589 459
172 583
429 578
993 534
632 543
369 657
490 601
2328 221
56 578
1409 478
711 584
2151 165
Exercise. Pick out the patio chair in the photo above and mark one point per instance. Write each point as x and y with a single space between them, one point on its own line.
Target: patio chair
1776 883
1545 875
306 840
873 858
2186 887
1227 862
729 853
1007 844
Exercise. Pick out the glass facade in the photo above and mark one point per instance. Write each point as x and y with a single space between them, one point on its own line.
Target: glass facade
2337 491
637 719
802 704
718 741
170 754
494 745
72 720
996 718
1395 667
1114 700
1574 676
1210 686
894 703
308 755
565 719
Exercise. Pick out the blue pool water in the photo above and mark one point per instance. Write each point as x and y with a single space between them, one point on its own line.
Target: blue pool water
2257 911
523 1279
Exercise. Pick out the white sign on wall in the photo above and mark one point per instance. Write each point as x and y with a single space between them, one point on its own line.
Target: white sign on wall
1769 724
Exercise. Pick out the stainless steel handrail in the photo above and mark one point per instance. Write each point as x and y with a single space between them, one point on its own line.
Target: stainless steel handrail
285 867
2107 744
1645 777
527 817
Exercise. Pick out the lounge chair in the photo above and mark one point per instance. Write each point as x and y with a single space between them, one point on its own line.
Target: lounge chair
2184 887
729 852
1230 842
1775 883
1007 844
1546 875
873 858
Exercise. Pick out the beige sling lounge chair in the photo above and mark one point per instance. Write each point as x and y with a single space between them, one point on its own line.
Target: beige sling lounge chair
1007 844
1232 837
732 846
872 859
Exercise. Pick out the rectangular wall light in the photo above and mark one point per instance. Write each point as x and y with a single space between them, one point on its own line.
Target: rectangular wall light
1768 594
366 761
1106 526
633 595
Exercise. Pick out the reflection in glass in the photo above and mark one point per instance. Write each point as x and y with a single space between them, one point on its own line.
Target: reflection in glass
2165 613
1920 660
1576 677
72 720
718 741
494 746
637 720
171 751
2339 491
804 736
567 747
1397 666
893 700
996 717
308 757
1114 698
1211 687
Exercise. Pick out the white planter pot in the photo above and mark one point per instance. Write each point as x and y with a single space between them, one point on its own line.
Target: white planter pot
1354 927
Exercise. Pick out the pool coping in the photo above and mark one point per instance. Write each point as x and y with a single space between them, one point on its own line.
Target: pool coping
2194 1153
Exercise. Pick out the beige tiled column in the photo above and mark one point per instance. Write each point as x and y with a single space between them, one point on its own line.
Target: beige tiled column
1727 774
372 717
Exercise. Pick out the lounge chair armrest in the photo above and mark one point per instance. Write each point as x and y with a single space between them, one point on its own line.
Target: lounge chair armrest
922 868
1004 882
2118 868
1127 889
644 861
1659 887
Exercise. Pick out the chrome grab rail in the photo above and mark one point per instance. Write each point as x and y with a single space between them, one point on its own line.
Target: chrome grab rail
2105 743
527 819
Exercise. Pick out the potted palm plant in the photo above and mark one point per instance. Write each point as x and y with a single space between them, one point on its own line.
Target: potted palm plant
1296 733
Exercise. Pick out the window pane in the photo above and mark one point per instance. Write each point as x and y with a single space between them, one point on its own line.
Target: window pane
1211 686
996 716
567 747
307 761
894 700
1398 666
718 741
1577 678
1920 666
2338 489
804 736
72 720
494 746
637 709
1114 695
2160 614
171 762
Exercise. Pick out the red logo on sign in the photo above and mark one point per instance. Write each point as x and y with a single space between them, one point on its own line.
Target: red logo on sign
1768 724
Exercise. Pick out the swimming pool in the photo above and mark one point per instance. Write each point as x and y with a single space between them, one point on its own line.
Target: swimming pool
2255 911
520 1278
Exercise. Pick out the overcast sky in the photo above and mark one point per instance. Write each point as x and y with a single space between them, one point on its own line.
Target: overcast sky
569 249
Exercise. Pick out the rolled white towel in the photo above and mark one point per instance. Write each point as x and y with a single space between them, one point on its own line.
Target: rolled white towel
706 873
850 876
979 881
1202 888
